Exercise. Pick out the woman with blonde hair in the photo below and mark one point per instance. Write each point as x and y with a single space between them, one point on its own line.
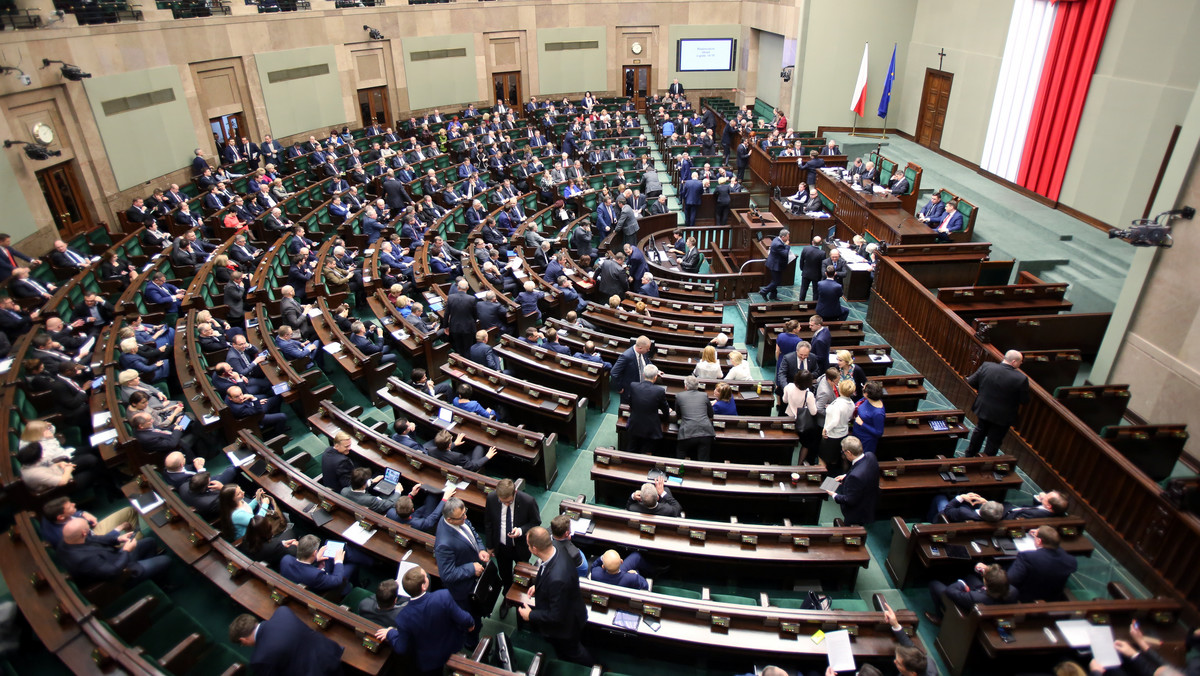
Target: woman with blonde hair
837 426
219 325
848 370
222 269
738 368
708 367
614 301
43 433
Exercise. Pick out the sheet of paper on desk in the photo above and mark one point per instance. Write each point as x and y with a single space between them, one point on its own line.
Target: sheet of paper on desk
332 348
357 534
313 312
101 419
830 484
1024 544
1101 638
860 267
1075 631
881 359
580 525
107 436
837 646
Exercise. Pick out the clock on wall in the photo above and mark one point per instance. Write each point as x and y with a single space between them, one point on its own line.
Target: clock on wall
636 48
43 134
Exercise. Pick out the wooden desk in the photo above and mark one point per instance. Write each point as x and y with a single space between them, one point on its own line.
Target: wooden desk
375 446
767 554
880 215
530 453
911 558
724 630
566 413
906 487
585 378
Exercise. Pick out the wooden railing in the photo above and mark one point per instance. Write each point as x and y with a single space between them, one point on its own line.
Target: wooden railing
1125 510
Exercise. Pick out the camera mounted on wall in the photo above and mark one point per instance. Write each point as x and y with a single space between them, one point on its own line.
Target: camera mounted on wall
1153 232
69 72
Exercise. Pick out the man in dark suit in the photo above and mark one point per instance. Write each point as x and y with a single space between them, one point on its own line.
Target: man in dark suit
654 499
691 193
460 313
811 166
612 278
675 88
988 588
1042 574
285 645
743 159
243 405
336 465
933 212
777 262
821 340
509 515
560 615
695 413
430 627
899 183
973 507
795 361
13 321
461 557
630 367
64 257
481 353
100 558
829 298
320 573
95 312
199 164
859 489
839 266
1001 389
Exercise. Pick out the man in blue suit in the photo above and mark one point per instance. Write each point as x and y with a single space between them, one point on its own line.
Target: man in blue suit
286 646
461 556
609 568
1041 575
829 295
933 212
691 192
629 368
320 573
777 261
481 353
554 269
371 225
243 405
430 627
606 216
636 261
159 291
9 256
859 489
821 341
952 222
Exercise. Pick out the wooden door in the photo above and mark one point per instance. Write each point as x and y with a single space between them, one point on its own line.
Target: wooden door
636 84
232 126
935 98
373 106
60 186
507 87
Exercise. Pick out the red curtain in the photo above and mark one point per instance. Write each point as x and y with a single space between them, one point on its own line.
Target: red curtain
1075 44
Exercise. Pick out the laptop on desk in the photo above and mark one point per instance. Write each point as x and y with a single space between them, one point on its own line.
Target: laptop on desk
391 478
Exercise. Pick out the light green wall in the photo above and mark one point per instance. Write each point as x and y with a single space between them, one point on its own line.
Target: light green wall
18 219
441 82
833 51
770 62
1136 98
576 70
719 80
974 50
295 106
167 127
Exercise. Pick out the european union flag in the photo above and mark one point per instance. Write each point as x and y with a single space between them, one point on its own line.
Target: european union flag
886 99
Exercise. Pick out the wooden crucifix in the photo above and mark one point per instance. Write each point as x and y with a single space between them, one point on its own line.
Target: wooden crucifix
941 55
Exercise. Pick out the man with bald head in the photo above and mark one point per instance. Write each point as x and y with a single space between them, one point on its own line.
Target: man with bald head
1001 390
609 568
93 558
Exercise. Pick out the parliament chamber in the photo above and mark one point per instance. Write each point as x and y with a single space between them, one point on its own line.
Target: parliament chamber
475 337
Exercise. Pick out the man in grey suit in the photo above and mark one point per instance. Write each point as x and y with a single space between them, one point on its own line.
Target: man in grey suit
235 297
695 413
294 314
356 492
627 222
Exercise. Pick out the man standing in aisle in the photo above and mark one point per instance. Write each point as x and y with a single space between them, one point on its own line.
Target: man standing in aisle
1001 391
560 615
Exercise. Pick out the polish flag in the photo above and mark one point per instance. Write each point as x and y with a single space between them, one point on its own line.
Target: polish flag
859 103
